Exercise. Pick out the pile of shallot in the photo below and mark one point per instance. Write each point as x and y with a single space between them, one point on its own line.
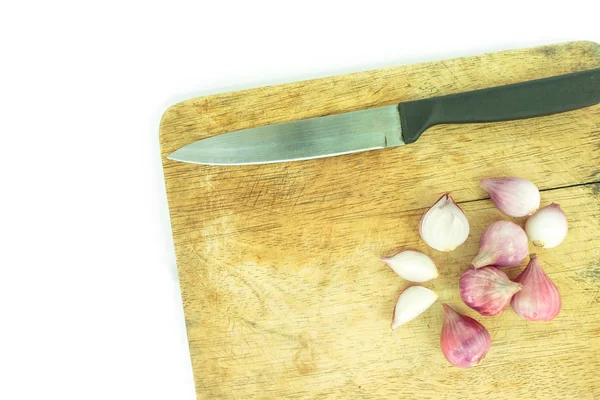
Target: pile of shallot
484 287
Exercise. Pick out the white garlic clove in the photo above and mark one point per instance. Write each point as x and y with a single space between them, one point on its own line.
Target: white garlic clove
411 303
411 265
548 227
444 226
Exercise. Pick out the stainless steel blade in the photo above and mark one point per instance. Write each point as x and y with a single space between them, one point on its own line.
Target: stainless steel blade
327 136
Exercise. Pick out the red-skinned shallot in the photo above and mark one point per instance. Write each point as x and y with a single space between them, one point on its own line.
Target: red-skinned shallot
539 300
487 290
464 341
503 244
514 197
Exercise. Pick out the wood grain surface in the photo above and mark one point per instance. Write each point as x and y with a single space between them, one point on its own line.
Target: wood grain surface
283 290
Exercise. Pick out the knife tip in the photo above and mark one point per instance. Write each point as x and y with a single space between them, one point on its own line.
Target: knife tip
182 157
174 156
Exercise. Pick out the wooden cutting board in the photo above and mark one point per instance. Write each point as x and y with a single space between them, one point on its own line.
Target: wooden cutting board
283 290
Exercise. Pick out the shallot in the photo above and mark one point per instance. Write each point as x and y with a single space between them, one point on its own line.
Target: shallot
444 226
503 244
464 341
412 265
539 300
548 227
412 302
514 197
487 290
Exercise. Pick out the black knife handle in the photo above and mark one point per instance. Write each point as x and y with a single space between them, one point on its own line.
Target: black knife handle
517 101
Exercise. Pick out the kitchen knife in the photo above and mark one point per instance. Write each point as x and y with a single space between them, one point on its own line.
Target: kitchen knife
391 126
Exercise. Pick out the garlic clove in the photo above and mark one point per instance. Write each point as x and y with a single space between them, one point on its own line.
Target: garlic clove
464 341
548 227
411 303
539 300
514 197
444 226
412 265
503 244
487 290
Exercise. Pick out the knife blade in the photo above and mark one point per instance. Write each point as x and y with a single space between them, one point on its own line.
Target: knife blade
391 126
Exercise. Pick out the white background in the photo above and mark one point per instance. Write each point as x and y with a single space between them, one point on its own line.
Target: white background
90 306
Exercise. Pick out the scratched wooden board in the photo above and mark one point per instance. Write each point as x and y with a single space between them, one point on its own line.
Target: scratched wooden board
283 292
